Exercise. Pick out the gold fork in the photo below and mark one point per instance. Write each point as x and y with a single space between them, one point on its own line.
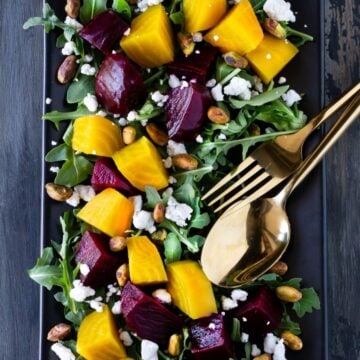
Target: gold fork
272 162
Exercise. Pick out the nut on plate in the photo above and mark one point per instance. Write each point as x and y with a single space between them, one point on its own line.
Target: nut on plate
72 8
159 212
217 115
59 332
129 135
279 268
288 294
263 357
67 69
156 134
292 341
159 236
274 28
174 347
186 43
122 274
185 162
118 243
58 192
235 60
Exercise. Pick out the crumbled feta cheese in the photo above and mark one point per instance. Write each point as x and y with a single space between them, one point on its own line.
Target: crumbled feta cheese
84 269
172 180
255 351
86 192
222 136
74 199
88 70
239 295
167 162
62 352
184 84
116 309
102 113
282 80
126 338
178 212
279 10
238 87
132 115
197 52
97 305
88 58
69 48
143 5
159 98
244 338
228 303
197 37
279 351
54 169
217 93
173 148
216 37
79 292
174 81
112 289
91 103
144 122
168 192
73 23
244 319
137 202
199 139
270 342
143 220
53 143
122 121
162 295
211 83
48 101
149 350
291 97
127 32
259 86
212 326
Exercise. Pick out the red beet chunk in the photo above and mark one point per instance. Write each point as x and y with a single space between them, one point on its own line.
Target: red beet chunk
106 175
262 311
210 339
196 66
186 111
119 85
93 251
147 317
104 30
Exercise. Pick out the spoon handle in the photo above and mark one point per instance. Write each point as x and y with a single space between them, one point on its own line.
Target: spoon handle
347 117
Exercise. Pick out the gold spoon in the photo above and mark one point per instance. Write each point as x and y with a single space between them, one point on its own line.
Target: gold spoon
246 241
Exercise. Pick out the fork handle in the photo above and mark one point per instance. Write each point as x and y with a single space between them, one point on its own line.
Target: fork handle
342 123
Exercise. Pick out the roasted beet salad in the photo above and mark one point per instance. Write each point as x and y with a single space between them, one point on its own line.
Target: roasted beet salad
167 96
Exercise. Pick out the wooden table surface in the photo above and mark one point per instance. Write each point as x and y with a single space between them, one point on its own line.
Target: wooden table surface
21 81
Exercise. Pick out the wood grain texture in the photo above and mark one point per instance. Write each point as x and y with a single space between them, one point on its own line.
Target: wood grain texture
342 68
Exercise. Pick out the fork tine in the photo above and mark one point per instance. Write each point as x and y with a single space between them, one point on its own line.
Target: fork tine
241 167
244 178
243 191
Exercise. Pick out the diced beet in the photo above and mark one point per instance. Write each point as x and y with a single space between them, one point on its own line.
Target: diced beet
196 66
119 85
186 111
147 317
104 30
106 175
93 251
262 311
210 339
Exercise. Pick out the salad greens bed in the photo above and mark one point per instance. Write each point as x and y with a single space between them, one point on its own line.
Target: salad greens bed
263 117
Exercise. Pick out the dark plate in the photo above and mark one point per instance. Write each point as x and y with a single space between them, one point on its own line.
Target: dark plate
305 255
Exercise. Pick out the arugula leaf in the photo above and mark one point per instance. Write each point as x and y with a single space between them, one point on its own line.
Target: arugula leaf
123 8
309 301
152 196
186 343
49 20
236 330
79 89
91 8
173 249
56 116
59 153
288 324
247 348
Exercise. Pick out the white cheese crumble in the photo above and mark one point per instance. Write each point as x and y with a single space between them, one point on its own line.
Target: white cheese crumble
73 23
217 93
143 220
228 303
199 139
48 101
211 83
259 86
112 289
162 295
132 115
238 87
222 136
174 81
97 305
291 97
184 84
91 103
88 58
168 192
255 351
197 37
143 5
212 326
53 143
197 52
122 121
159 99
102 113
177 212
126 338
167 162
69 48
244 338
127 32
239 295
172 180
282 80
174 148
144 122
279 351
244 319
86 192
84 269
279 10
79 292
88 70
270 342
62 352
54 169
149 350
74 199
116 309
137 202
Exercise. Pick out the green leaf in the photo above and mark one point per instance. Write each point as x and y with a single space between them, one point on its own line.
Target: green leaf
123 8
200 221
67 137
288 324
59 153
56 116
49 20
173 249
90 8
177 18
79 89
75 170
152 196
236 330
309 301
